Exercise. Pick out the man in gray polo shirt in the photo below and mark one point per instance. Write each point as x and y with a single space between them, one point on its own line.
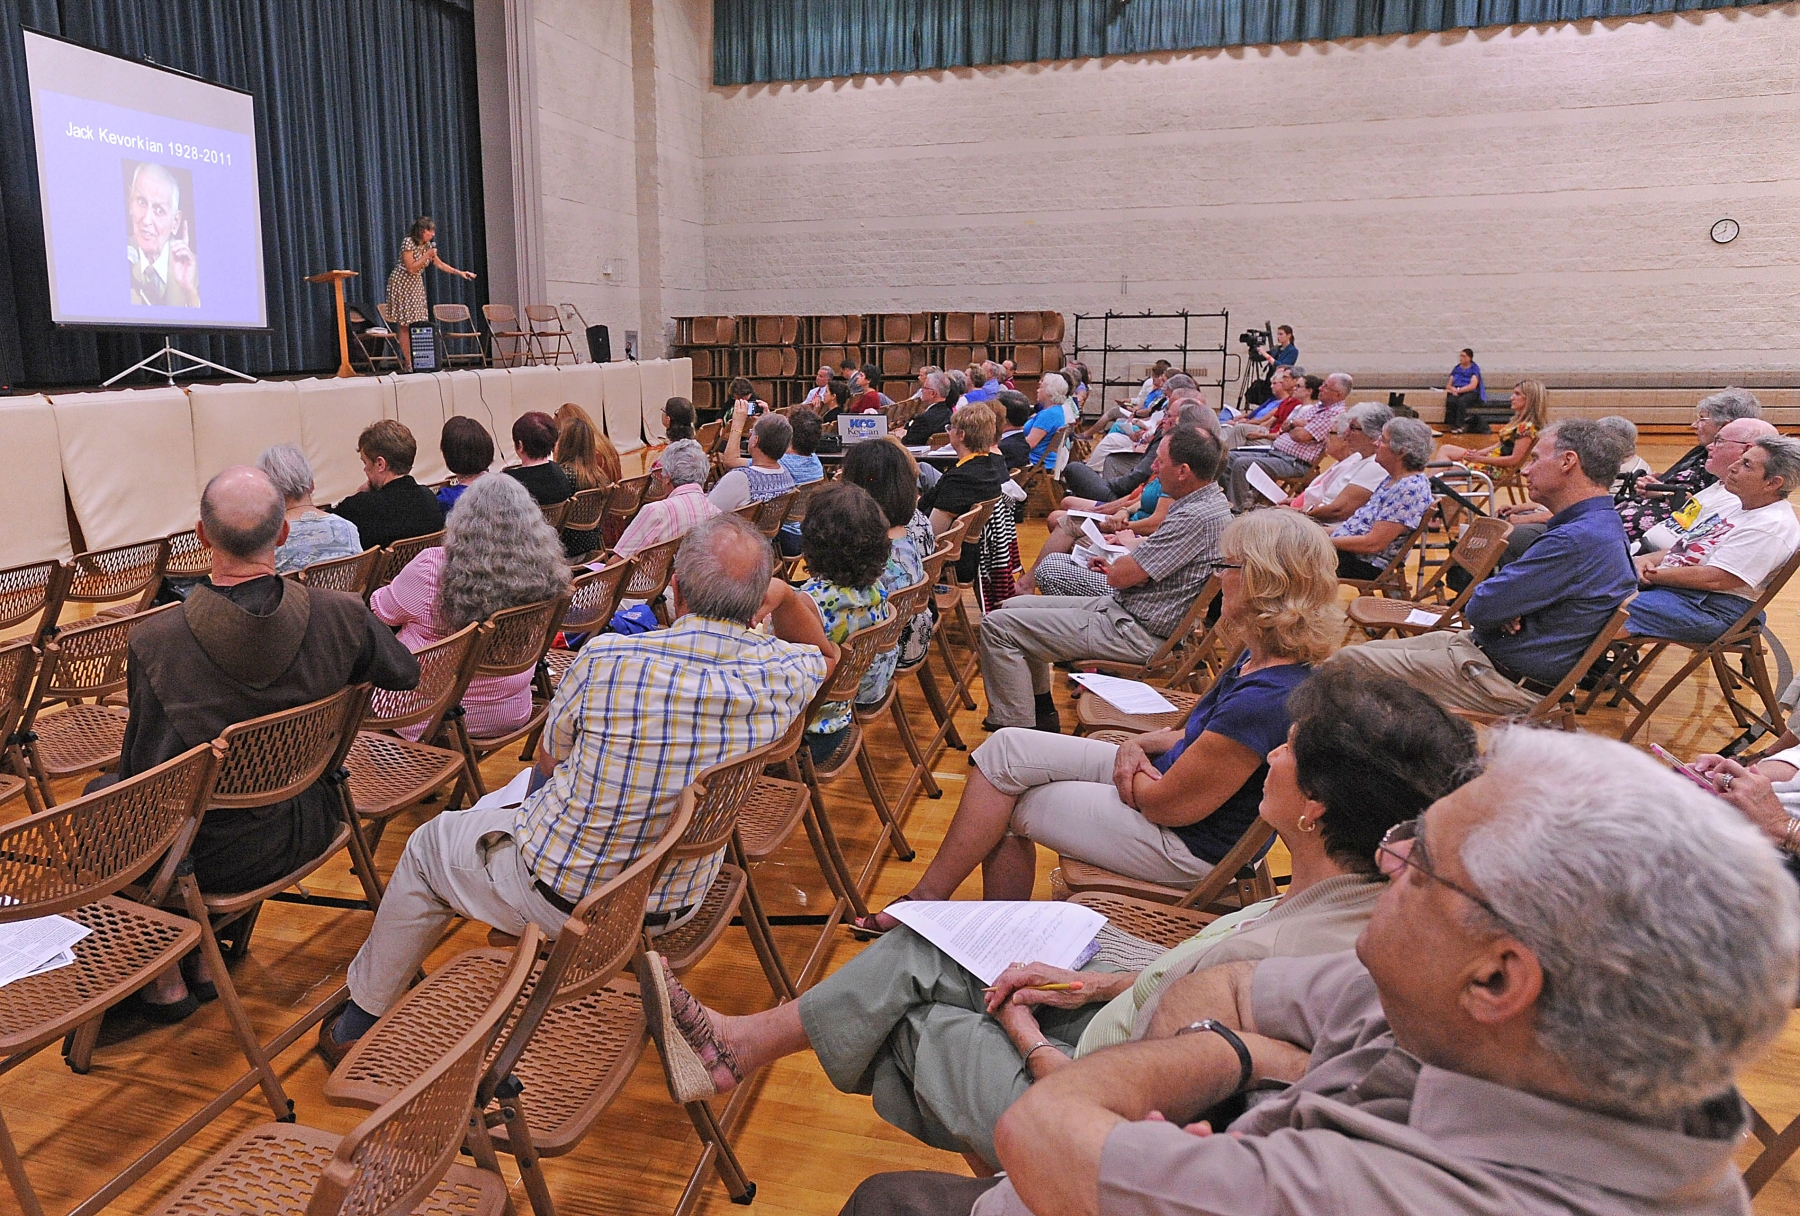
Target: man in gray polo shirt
1152 588
1576 954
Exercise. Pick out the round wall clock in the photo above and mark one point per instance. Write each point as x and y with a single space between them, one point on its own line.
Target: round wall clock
1725 231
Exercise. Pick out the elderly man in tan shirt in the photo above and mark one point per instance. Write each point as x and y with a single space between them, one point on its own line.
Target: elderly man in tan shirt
1576 954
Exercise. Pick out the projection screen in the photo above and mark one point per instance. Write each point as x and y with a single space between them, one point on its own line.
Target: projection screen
148 180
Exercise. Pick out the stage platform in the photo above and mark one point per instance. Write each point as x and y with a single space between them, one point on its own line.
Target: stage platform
90 470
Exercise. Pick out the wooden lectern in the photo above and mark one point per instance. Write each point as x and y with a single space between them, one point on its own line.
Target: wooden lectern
336 279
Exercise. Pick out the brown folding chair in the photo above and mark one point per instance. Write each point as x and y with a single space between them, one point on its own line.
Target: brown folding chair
1777 1147
651 570
395 557
188 558
513 641
576 1036
555 513
941 710
84 662
707 435
1390 581
1477 552
1743 638
622 505
771 513
547 335
581 523
18 668
1558 703
262 762
905 604
387 773
1187 668
503 325
949 601
75 861
384 354
351 574
593 598
462 340
857 652
125 578
32 590
400 1159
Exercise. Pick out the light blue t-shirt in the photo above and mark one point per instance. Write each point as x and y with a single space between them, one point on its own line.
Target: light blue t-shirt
1050 419
802 469
317 538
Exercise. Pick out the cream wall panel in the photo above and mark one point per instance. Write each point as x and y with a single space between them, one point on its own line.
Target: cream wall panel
485 396
622 390
332 414
234 423
31 493
657 380
128 459
584 385
536 388
421 403
683 371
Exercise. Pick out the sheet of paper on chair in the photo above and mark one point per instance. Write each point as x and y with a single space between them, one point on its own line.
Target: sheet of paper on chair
1420 617
1097 541
1127 696
28 946
988 936
1265 485
1087 514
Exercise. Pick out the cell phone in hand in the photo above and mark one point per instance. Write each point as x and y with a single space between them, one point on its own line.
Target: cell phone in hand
1668 758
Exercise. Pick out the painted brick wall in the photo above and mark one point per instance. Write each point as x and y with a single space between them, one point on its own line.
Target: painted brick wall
1542 194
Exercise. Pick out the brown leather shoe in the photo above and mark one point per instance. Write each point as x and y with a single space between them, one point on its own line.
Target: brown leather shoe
332 1050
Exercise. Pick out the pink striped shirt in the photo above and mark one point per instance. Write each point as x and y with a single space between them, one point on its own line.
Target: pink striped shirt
684 509
494 705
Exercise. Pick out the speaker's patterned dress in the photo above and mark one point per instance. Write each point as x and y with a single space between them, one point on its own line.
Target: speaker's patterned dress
406 290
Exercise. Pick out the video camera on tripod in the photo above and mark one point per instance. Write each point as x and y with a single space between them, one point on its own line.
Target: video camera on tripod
1259 365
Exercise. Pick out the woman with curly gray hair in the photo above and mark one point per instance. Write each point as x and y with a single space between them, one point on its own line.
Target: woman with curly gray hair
498 553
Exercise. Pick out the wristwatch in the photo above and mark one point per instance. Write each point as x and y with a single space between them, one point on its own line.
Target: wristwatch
1230 1036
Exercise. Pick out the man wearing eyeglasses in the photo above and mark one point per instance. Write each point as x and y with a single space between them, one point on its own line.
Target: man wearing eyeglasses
1542 1016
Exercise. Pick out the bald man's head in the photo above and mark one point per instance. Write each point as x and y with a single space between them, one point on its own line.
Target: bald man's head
1747 430
242 512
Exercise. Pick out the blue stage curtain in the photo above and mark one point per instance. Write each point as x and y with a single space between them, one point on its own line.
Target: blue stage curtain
769 40
365 118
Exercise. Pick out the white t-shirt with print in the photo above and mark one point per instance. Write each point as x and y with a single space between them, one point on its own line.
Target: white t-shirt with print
1748 545
1713 500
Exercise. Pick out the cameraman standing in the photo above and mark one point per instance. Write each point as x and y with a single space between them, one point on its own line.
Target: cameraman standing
1285 353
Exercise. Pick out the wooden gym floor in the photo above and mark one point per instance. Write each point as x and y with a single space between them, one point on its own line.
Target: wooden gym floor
805 1145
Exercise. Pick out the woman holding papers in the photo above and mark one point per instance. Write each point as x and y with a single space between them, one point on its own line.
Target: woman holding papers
944 1056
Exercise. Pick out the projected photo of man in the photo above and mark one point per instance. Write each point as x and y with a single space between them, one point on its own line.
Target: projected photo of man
160 235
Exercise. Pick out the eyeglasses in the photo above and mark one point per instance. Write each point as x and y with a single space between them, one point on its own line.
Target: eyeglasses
1403 846
1228 565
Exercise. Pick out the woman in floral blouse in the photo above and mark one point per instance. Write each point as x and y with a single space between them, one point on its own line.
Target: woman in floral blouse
846 547
1371 538
1513 442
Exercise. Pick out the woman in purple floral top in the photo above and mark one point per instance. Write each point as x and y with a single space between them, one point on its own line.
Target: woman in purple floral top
1371 538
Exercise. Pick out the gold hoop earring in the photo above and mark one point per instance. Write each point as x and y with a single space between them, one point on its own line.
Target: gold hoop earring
1307 826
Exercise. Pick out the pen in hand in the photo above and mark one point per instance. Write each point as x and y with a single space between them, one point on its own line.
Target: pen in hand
1077 986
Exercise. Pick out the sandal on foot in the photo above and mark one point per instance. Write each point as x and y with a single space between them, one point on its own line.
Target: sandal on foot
868 928
683 1033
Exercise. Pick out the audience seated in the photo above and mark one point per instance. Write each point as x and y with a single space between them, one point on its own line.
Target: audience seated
497 553
837 401
1162 807
1152 588
865 389
743 393
1340 491
677 419
468 450
1054 413
312 535
976 477
846 547
815 397
1012 444
632 723
1532 619
1298 444
1512 444
887 472
944 1057
1288 391
585 456
802 465
1542 1017
937 406
247 643
1059 571
1709 578
1634 464
1093 488
1372 536
534 442
1710 501
762 476
681 471
389 505
1655 500
992 383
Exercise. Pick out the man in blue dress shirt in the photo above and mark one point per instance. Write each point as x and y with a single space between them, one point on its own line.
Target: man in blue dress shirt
1531 620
